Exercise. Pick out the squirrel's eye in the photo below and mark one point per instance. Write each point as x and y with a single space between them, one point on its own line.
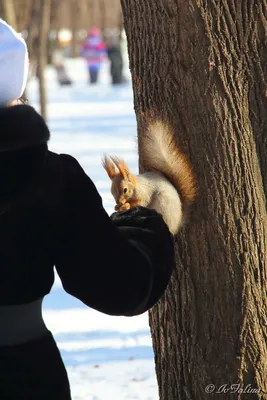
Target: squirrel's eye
125 190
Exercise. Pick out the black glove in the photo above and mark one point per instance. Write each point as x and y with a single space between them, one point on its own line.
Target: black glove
147 227
140 217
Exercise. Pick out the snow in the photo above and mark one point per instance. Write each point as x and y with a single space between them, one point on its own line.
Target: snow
106 357
133 381
85 320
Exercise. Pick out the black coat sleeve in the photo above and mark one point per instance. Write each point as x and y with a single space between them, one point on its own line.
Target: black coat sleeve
119 265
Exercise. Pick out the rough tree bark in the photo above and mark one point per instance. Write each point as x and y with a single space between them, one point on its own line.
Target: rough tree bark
203 66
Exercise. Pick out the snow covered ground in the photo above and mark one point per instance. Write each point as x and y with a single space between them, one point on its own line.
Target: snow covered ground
107 358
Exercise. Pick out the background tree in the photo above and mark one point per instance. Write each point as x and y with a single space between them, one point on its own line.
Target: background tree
74 23
8 12
202 65
44 14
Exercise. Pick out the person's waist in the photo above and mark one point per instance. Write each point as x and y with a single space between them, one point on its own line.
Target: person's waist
21 323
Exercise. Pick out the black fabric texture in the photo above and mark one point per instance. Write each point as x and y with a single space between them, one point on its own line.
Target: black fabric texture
33 371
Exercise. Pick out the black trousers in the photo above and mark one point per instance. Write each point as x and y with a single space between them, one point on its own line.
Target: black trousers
33 371
93 75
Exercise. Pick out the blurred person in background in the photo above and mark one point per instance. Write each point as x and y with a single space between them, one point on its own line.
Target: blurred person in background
58 62
51 215
94 52
114 52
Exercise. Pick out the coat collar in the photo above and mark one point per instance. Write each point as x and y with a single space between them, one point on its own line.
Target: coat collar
21 127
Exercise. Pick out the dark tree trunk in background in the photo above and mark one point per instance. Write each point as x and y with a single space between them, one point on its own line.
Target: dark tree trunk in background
103 14
45 11
74 23
203 66
9 14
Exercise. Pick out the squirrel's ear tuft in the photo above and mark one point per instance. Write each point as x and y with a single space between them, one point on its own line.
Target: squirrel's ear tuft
122 167
109 166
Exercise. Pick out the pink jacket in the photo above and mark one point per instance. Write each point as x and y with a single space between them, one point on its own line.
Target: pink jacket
94 51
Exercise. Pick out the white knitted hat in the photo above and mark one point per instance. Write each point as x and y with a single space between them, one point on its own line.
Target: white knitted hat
14 64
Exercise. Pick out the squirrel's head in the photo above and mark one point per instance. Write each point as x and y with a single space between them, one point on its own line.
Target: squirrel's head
123 182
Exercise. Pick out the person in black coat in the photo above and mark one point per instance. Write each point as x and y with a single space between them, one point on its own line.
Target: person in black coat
52 215
113 42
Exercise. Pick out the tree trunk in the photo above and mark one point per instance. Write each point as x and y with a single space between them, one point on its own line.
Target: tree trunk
9 14
202 65
33 28
103 15
74 12
45 11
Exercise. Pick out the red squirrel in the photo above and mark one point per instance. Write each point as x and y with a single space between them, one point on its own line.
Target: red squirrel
169 185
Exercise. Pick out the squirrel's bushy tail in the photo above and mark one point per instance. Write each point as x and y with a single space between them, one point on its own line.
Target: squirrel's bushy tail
160 153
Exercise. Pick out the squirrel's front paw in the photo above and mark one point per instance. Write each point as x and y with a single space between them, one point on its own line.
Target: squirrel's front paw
123 207
117 207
